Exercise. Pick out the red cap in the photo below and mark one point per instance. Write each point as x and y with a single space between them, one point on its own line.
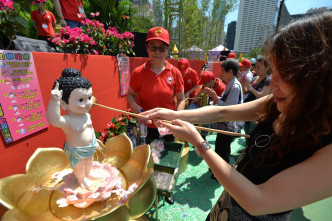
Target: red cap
245 63
231 55
183 66
206 77
158 33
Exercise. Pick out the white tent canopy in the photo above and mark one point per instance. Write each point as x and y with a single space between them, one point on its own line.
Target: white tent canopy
194 48
219 48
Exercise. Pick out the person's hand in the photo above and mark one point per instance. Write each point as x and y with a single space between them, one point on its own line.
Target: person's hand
56 94
187 95
136 108
182 130
246 83
241 79
159 113
210 92
63 23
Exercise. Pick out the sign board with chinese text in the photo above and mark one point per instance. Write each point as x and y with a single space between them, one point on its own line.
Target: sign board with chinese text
22 110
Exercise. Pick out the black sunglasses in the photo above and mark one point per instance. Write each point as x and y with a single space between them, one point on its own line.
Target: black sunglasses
160 49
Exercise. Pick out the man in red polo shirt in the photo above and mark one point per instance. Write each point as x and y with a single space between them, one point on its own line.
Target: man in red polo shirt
190 78
156 82
71 12
210 83
43 21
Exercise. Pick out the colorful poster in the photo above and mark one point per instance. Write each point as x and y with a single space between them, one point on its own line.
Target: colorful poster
22 110
123 64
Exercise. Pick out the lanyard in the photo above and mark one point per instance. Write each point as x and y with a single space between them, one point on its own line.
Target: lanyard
80 3
43 16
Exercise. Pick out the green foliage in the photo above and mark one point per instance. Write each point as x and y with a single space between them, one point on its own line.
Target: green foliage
142 24
158 9
115 13
202 24
254 53
11 22
117 126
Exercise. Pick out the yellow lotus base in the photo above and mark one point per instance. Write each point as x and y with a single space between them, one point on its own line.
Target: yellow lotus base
18 192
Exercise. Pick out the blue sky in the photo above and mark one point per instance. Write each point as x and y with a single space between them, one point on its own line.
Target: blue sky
293 6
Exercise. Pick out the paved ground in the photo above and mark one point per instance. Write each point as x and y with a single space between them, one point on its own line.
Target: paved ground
196 193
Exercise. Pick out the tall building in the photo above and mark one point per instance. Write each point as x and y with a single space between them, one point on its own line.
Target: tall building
230 37
256 22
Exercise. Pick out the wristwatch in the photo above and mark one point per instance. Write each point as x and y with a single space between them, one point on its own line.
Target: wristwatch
202 148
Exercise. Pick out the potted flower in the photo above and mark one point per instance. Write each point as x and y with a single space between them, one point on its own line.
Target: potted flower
10 23
122 124
93 39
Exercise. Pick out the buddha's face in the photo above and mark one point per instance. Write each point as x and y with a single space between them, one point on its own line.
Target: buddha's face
80 101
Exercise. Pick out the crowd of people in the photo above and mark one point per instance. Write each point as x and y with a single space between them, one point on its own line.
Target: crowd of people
283 101
289 100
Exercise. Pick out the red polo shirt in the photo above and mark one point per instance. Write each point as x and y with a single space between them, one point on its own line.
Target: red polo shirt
190 80
220 87
156 90
70 10
47 19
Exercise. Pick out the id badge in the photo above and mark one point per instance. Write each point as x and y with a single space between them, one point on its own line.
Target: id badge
81 10
45 26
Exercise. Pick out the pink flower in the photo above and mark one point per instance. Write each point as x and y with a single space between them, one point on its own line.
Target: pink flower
103 135
92 14
110 125
86 39
97 13
113 29
128 35
6 3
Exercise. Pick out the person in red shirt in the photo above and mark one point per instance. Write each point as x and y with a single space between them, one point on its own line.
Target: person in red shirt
209 83
70 12
156 82
190 78
43 21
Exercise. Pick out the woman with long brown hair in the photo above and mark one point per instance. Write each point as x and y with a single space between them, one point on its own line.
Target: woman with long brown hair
287 163
259 87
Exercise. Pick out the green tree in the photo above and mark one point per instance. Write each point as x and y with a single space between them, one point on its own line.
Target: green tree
202 25
191 25
143 18
142 24
203 21
218 14
158 12
254 53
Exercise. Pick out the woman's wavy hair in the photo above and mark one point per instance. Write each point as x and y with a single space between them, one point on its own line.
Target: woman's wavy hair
302 54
